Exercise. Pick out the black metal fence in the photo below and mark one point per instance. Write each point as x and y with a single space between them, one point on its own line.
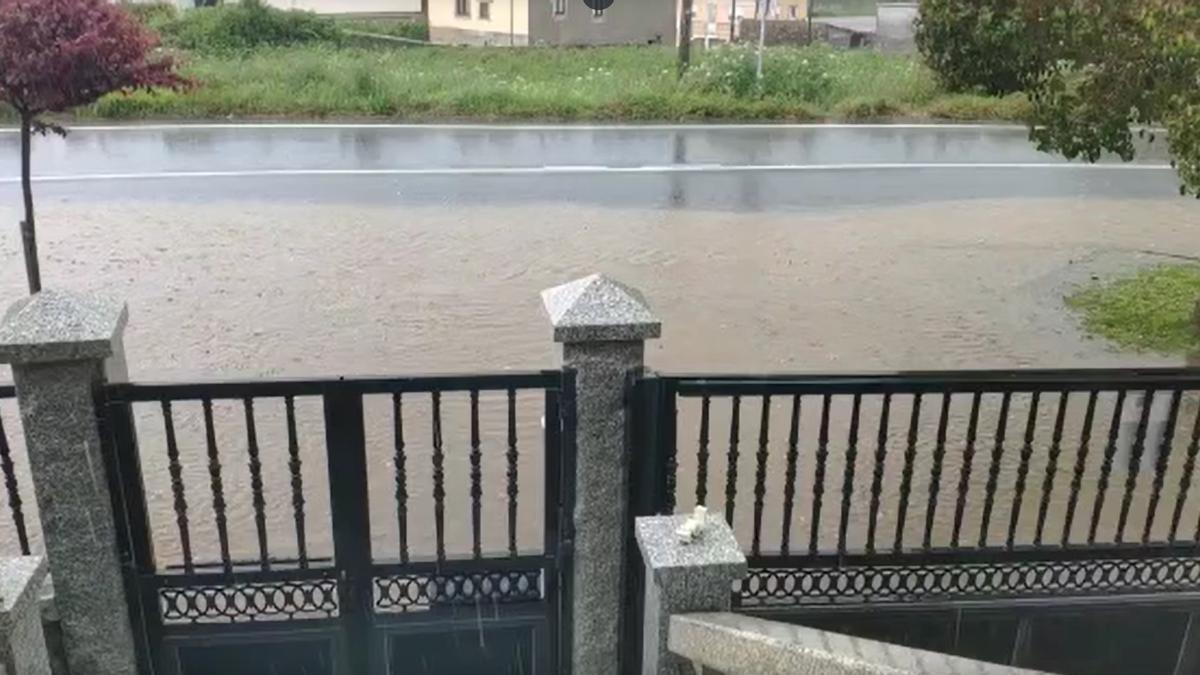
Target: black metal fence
938 485
15 540
370 515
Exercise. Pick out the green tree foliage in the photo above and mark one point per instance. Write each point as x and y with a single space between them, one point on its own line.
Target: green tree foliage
1123 63
995 46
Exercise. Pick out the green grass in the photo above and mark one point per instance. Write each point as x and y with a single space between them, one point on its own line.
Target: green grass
610 83
405 28
1152 310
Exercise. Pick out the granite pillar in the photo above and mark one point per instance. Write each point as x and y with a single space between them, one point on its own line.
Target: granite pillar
59 345
696 576
22 645
602 325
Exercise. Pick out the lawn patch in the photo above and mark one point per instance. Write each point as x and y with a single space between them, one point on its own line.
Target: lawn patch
1153 310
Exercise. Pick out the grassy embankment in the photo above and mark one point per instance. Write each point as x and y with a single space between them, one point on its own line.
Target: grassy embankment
265 63
1153 310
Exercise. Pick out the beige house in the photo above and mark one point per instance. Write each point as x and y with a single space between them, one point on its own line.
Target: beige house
551 22
710 18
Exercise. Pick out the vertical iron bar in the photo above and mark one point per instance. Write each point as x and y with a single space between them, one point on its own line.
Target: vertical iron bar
477 475
1185 481
994 468
1023 468
1085 437
1160 466
670 454
935 474
877 482
848 474
400 461
760 474
702 455
732 468
256 485
177 490
1051 466
1135 462
512 476
218 491
789 487
350 517
910 456
439 477
294 467
14 494
964 480
819 478
1110 450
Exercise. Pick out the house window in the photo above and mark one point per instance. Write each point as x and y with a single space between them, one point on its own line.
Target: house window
485 9
462 7
560 7
792 11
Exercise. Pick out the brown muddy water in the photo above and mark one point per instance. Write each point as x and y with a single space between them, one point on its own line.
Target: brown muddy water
224 291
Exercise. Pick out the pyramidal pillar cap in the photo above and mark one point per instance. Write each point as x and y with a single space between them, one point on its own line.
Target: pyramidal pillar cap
597 308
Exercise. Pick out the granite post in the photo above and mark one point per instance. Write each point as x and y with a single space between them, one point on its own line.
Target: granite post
602 325
696 576
22 645
62 346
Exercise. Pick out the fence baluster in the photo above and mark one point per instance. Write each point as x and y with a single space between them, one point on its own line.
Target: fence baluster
511 457
1185 481
760 474
1110 449
994 468
177 489
399 462
294 466
476 476
910 456
819 478
935 473
877 482
789 487
256 484
848 474
1135 462
1051 466
14 494
218 491
1023 469
1160 466
732 469
964 480
702 455
439 477
1085 437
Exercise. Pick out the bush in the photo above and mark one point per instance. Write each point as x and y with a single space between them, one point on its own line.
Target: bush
997 46
246 25
153 14
790 74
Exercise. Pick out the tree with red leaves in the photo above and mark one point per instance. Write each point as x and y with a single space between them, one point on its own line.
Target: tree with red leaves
59 54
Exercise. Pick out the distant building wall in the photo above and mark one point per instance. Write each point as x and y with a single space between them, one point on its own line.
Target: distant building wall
896 26
506 22
626 22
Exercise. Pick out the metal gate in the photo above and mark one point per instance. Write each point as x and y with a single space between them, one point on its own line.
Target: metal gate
935 492
281 569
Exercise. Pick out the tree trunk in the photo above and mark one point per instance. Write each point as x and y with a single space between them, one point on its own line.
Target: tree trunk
28 236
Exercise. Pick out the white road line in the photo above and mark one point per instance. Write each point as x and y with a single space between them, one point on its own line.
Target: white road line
569 169
525 127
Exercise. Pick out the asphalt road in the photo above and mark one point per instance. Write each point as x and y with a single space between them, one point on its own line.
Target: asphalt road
722 167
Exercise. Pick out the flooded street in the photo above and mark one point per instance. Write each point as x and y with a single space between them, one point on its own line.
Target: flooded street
328 285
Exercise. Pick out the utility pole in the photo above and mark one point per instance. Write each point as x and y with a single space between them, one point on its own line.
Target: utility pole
732 20
685 37
762 7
